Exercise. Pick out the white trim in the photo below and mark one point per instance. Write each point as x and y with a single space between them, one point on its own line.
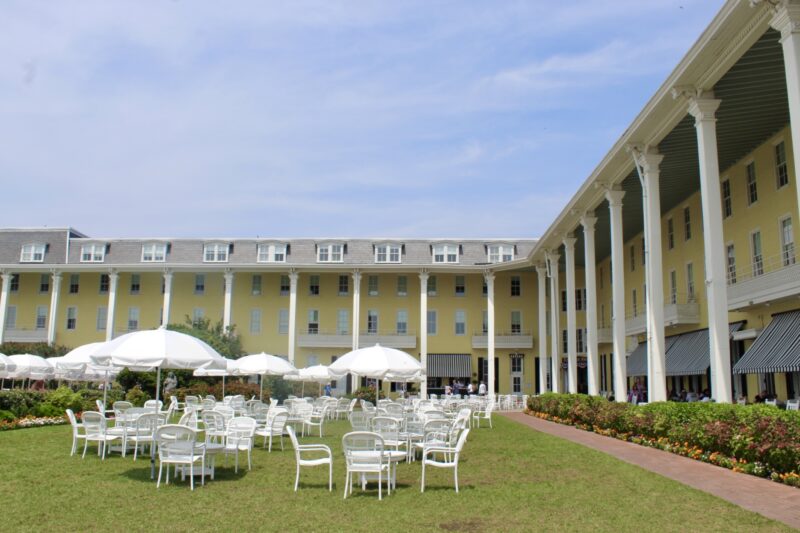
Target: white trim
96 253
153 252
330 252
444 249
388 252
219 252
35 248
271 252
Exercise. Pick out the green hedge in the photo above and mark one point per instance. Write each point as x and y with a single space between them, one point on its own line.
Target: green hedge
750 434
22 403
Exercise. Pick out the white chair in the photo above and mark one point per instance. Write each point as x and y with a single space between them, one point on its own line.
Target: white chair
189 418
95 427
315 450
177 446
364 453
793 405
360 420
239 437
274 427
772 402
78 431
449 458
484 414
151 404
316 419
213 426
144 431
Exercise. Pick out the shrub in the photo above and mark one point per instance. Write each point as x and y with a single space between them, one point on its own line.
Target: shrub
64 398
6 416
47 410
137 396
20 402
367 394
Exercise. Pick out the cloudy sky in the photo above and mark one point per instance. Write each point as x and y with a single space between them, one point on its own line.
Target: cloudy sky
320 118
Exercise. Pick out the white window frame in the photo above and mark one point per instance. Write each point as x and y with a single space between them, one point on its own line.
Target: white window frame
788 256
460 320
216 252
133 319
11 317
372 285
373 321
32 253
730 262
516 322
432 322
673 286
256 284
330 252
388 253
777 164
691 288
727 198
283 321
401 324
93 253
255 320
271 252
343 322
446 253
756 262
72 315
154 252
751 186
500 253
402 288
41 313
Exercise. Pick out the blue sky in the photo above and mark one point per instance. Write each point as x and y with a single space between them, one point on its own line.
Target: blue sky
329 118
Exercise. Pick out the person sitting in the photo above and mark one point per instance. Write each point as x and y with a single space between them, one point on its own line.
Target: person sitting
684 397
705 396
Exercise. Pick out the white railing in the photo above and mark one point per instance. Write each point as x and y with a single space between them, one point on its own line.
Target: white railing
24 334
679 308
316 338
764 280
512 339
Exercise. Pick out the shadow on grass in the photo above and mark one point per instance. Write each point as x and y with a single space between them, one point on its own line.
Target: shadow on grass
221 475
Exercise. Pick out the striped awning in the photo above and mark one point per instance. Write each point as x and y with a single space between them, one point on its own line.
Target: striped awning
777 349
690 354
449 365
637 360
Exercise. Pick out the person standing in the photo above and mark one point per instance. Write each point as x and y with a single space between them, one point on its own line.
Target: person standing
482 389
470 389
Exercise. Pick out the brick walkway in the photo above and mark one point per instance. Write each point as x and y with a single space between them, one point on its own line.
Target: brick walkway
773 500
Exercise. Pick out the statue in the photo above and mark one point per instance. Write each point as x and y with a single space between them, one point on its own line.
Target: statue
170 384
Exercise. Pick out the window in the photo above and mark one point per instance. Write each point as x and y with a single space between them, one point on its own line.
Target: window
445 253
516 286
74 283
633 302
501 253
14 284
136 283
580 299
313 285
563 301
133 318
216 252
670 234
460 286
102 318
690 281
633 258
283 321
787 242
516 363
197 315
687 224
41 317
11 317
485 288
727 204
673 287
485 326
431 322
32 253
432 286
758 258
580 335
516 322
313 321
255 286
44 283
199 283
154 252
372 321
342 322
402 322
781 170
329 253
255 321
730 252
284 286
387 253
402 285
271 253
752 184
644 253
344 285
93 253
372 285
564 341
461 322
104 283
72 318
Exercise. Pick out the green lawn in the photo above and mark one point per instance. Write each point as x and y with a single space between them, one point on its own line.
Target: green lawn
512 479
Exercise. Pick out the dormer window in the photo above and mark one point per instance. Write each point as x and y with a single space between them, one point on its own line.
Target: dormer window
388 253
154 252
271 253
500 253
445 253
330 253
32 253
93 253
216 252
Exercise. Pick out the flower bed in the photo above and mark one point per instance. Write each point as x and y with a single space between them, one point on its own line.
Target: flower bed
758 440
32 422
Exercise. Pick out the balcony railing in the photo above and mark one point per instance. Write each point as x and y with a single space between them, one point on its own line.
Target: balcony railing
764 280
316 338
679 309
517 340
24 334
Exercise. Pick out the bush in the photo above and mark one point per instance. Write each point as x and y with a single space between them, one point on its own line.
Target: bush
64 398
47 410
137 396
366 394
6 416
232 388
20 402
37 348
89 397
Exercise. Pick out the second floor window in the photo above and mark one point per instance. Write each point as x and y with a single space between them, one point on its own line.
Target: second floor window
271 253
344 285
32 253
461 287
216 253
687 224
432 286
516 286
730 252
516 322
255 290
752 184
313 321
372 285
758 258
104 283
136 283
74 283
313 285
402 286
787 242
670 234
285 286
154 252
372 322
445 253
93 253
727 203
781 170
329 253
690 281
500 253
402 322
199 283
387 253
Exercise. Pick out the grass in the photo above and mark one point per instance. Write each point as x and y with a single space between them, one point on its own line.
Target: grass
512 479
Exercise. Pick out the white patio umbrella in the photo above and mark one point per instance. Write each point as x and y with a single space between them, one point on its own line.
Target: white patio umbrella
31 366
376 362
263 364
79 362
6 366
312 374
215 372
155 349
416 378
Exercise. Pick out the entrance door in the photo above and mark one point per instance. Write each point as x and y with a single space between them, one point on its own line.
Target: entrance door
517 360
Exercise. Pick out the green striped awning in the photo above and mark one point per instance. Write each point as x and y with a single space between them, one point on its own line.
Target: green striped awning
777 349
637 360
449 365
690 354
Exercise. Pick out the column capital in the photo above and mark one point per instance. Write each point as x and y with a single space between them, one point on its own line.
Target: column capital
614 197
541 269
228 275
6 277
569 243
56 274
168 274
293 275
645 157
785 15
423 276
701 103
488 275
113 276
588 221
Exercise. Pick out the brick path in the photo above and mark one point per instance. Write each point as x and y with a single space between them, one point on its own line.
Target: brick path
773 500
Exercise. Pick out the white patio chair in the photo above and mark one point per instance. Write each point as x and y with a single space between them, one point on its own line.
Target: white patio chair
208 403
484 414
95 427
226 411
772 402
144 431
274 427
189 418
316 460
151 404
213 426
449 458
78 431
177 446
364 453
239 436
360 420
793 405
316 419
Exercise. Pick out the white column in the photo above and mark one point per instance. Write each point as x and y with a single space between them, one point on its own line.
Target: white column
167 305
588 221
292 313
226 312
490 334
787 21
541 271
52 319
702 109
356 321
555 311
648 164
423 330
618 295
572 351
113 280
4 304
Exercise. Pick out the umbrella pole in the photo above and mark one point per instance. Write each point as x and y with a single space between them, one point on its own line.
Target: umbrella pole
105 391
261 388
223 387
152 447
303 389
377 390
